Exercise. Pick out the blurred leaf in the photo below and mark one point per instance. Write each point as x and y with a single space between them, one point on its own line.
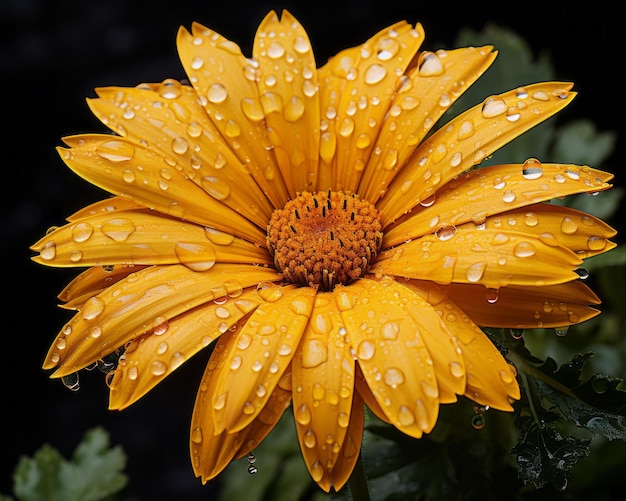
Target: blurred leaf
580 143
93 473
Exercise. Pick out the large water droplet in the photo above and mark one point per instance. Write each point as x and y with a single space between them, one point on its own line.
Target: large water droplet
116 151
196 257
118 229
532 169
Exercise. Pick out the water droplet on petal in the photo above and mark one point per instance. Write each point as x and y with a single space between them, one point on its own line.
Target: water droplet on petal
217 93
374 74
116 151
196 257
532 169
92 308
118 229
476 271
492 107
429 64
365 350
393 377
81 232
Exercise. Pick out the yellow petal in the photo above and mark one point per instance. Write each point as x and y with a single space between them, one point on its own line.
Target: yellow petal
287 82
387 324
262 425
108 205
134 305
492 257
490 378
225 81
351 448
260 355
142 237
468 139
152 357
211 452
489 191
323 383
170 119
525 307
423 96
125 168
93 281
357 87
368 398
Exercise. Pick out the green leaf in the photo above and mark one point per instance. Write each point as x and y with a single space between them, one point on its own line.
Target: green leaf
580 143
92 474
545 456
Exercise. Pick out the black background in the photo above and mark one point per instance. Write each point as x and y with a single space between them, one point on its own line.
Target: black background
52 55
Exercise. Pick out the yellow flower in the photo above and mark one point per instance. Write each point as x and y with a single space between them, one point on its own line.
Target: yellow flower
312 228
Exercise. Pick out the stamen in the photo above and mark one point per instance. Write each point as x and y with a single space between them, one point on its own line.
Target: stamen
334 241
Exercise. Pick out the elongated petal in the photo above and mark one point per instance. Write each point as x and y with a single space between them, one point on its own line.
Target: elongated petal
225 80
211 452
490 378
152 357
138 303
169 118
423 96
287 82
141 237
349 454
93 281
137 172
358 86
489 191
526 307
367 396
492 257
108 205
262 352
386 324
468 139
323 383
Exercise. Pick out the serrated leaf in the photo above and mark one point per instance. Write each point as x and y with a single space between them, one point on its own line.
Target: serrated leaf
92 474
545 456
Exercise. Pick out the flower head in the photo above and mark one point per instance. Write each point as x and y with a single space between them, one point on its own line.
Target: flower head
312 228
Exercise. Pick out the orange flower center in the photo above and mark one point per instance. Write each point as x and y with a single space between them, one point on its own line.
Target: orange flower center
324 239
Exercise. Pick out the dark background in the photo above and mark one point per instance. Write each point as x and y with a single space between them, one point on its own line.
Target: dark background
52 55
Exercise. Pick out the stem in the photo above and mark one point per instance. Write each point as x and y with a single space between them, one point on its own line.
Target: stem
358 482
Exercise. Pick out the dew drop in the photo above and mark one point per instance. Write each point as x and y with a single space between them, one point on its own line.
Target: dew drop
48 251
492 295
116 151
365 350
532 169
476 271
216 187
568 225
92 308
158 368
294 109
445 233
81 232
196 257
492 107
429 64
71 381
217 93
303 415
314 353
561 331
374 74
118 229
524 249
275 50
516 333
160 326
478 421
405 416
252 109
393 377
